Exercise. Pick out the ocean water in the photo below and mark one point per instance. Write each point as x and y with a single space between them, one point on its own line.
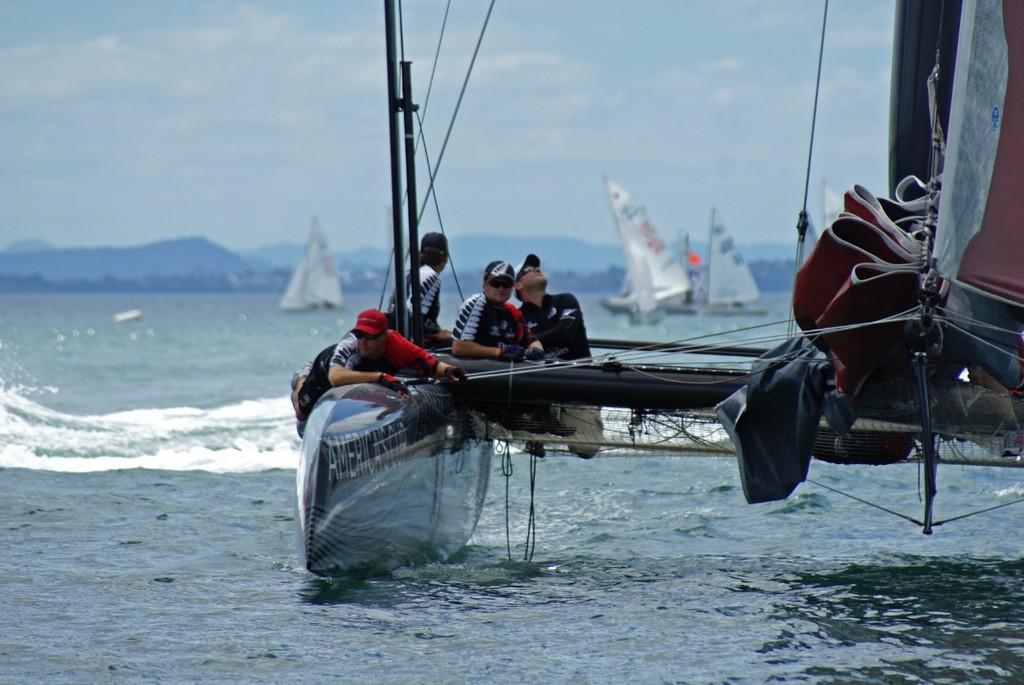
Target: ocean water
147 526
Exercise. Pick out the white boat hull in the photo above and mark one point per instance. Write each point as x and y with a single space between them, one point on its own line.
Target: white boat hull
386 481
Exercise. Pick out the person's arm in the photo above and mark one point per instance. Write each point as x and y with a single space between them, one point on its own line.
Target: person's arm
570 319
442 335
563 332
449 371
339 375
471 348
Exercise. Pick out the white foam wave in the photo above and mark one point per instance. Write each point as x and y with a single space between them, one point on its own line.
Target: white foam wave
253 435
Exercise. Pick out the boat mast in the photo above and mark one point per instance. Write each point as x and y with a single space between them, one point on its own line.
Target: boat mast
710 260
402 105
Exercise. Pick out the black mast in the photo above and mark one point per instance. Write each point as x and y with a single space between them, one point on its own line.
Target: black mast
396 106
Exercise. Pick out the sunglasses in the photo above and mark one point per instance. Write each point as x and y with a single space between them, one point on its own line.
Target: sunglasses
527 270
363 334
500 284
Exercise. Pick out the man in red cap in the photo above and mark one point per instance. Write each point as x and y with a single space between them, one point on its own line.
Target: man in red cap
369 353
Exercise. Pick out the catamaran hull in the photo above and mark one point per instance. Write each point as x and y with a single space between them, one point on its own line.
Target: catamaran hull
387 481
494 382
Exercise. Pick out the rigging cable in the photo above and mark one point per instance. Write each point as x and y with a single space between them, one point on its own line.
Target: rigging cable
458 104
506 470
864 501
531 525
801 222
910 518
421 115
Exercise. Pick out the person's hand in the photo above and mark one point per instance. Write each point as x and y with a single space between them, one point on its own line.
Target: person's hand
454 373
510 352
534 354
392 383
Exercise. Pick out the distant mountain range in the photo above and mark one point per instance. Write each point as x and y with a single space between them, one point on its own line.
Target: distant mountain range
472 251
32 265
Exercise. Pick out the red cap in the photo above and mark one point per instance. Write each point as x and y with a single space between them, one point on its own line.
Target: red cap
371 322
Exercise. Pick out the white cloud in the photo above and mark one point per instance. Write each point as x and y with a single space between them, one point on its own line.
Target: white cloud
238 120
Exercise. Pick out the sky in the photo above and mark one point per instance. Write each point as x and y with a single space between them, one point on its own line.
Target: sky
126 122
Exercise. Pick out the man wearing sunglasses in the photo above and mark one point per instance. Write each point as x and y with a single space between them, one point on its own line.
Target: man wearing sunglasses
369 353
555 320
489 326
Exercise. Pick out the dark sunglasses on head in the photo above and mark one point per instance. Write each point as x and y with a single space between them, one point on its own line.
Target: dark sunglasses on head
500 284
363 334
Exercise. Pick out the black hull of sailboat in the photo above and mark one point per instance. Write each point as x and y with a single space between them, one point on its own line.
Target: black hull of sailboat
387 481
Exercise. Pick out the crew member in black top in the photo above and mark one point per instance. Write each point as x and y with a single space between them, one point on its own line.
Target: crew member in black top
555 320
433 259
490 326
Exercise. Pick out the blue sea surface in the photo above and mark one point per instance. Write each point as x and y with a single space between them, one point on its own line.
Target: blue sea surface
148 533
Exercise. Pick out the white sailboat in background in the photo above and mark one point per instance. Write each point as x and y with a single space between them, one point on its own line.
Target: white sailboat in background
652 270
315 281
728 285
644 303
730 281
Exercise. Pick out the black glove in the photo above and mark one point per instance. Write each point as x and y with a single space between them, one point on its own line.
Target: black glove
392 383
454 373
534 354
510 352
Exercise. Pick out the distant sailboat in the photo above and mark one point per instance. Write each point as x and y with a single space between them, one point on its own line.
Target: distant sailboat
654 276
314 282
644 302
730 281
729 286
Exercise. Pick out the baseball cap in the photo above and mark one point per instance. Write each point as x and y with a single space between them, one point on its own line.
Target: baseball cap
531 262
499 269
434 240
371 322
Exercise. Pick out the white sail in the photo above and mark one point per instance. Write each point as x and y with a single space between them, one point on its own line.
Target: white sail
649 262
729 278
314 282
644 302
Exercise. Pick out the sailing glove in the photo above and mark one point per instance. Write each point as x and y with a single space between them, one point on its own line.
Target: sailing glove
392 383
510 352
534 354
454 373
